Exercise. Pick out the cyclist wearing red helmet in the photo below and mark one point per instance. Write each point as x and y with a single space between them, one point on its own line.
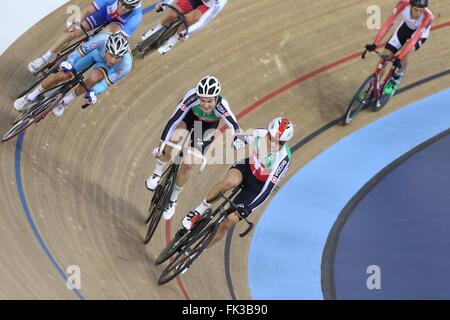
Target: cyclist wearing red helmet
269 160
413 31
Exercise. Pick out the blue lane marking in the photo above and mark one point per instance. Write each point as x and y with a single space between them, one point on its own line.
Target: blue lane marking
24 203
28 215
286 249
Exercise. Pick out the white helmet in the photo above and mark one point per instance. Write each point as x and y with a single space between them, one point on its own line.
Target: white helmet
208 87
281 129
130 3
117 44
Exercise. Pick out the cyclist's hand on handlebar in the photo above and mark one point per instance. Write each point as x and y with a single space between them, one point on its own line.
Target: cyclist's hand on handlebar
90 97
156 152
238 143
243 211
66 67
371 47
183 36
397 63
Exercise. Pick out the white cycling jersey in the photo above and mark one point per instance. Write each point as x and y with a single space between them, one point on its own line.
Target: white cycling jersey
412 23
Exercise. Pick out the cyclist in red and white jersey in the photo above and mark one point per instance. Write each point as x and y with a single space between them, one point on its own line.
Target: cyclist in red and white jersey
269 160
198 14
413 31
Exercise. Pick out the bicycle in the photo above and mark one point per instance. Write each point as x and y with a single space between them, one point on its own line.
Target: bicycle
164 190
37 111
371 92
189 245
52 67
161 36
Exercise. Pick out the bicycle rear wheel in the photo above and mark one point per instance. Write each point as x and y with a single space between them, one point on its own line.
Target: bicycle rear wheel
360 101
185 258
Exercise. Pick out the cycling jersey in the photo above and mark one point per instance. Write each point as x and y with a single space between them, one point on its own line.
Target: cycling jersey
422 26
262 171
92 53
191 102
107 11
214 8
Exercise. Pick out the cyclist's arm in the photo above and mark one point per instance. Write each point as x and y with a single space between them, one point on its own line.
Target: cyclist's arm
114 75
208 16
417 35
180 113
228 117
275 176
390 22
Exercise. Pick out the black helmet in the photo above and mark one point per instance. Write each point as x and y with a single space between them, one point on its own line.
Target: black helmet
419 3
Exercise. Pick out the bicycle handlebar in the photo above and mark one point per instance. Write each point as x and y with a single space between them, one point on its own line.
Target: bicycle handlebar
187 150
380 54
235 207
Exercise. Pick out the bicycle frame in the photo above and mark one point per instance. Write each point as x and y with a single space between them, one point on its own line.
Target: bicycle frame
376 87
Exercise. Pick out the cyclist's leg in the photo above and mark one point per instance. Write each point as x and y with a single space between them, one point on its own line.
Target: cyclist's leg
233 179
63 41
195 15
228 223
153 180
68 37
53 80
182 6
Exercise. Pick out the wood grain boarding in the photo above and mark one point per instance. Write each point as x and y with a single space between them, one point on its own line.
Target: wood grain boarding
84 174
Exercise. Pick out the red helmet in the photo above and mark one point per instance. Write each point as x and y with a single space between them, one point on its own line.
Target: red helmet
281 129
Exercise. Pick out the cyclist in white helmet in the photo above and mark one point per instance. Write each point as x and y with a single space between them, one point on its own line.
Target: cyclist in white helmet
198 14
269 160
202 107
108 55
122 15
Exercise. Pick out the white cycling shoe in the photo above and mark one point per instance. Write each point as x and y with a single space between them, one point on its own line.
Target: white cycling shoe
59 110
22 103
152 182
170 210
189 220
166 47
36 65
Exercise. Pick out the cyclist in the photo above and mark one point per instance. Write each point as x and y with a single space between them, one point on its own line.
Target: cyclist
122 15
413 31
202 105
269 159
111 59
198 13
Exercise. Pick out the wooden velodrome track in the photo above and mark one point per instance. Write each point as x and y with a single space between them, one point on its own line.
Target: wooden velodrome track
83 175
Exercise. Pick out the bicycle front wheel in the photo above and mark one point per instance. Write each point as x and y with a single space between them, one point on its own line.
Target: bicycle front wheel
361 100
158 209
35 114
185 258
